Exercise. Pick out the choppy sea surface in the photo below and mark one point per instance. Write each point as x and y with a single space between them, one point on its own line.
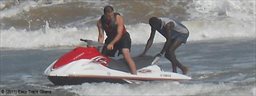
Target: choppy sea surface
220 51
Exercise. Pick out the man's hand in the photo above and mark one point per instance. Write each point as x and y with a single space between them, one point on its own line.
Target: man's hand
110 46
159 55
157 58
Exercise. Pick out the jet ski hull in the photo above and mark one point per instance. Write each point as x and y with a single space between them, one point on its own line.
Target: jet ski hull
75 80
64 80
88 65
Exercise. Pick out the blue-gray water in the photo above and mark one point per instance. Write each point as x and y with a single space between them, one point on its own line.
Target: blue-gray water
220 52
218 67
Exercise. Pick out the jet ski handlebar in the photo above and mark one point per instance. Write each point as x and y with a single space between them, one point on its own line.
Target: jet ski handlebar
84 40
92 43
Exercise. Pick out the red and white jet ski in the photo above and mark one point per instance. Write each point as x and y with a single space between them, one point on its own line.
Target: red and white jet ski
87 64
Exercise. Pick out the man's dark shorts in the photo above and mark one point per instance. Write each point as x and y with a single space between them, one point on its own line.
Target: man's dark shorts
124 42
179 36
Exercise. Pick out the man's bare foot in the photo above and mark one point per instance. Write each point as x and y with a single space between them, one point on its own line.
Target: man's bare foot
184 70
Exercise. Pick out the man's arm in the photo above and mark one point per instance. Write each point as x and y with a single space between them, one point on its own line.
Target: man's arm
101 33
120 26
149 42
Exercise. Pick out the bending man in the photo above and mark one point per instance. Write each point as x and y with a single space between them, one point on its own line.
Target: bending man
175 34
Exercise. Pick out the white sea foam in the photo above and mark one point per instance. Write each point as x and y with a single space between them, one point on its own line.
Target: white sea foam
238 21
208 9
16 9
158 88
254 91
69 36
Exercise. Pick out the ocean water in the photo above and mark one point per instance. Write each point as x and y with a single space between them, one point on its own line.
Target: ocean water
220 52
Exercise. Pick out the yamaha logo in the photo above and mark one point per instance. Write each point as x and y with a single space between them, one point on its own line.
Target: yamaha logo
165 75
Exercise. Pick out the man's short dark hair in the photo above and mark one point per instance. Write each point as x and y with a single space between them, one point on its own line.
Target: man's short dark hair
108 9
155 22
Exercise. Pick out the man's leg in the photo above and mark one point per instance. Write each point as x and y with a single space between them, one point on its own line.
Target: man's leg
129 60
170 55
